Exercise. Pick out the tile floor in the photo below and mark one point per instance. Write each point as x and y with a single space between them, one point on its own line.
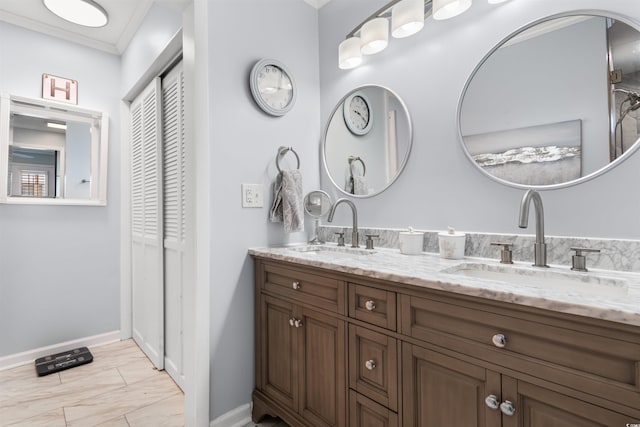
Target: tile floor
120 388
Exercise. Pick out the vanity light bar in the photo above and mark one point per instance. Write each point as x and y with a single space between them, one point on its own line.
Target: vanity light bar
407 18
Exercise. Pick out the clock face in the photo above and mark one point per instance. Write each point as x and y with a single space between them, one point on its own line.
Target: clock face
275 86
357 114
272 87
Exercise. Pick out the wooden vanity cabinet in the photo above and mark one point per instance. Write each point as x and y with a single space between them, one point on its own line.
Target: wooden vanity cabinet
301 348
335 349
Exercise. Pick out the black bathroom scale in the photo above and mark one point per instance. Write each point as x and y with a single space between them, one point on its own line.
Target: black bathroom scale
67 359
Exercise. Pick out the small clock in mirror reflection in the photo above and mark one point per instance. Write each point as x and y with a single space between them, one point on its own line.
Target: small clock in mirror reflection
357 114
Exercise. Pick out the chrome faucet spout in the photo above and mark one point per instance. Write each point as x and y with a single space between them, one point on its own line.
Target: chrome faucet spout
354 212
540 247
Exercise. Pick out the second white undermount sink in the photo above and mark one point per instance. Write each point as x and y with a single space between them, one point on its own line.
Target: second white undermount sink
542 278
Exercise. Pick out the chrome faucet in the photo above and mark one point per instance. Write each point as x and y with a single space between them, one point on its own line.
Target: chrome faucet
354 211
540 247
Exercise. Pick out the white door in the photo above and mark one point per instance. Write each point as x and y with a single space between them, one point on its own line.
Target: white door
146 223
175 221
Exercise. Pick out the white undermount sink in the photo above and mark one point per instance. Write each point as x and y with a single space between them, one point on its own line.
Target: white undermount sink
542 278
332 251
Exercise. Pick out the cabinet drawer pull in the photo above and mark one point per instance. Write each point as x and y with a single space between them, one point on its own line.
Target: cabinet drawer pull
292 322
507 408
499 340
492 401
370 305
296 285
297 323
370 364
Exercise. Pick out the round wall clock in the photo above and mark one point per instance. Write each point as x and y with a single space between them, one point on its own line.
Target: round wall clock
357 113
272 87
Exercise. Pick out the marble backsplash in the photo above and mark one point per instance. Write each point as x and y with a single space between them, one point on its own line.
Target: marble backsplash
620 255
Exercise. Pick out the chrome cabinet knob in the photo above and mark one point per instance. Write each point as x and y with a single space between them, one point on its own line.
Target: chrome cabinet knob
370 305
291 322
507 408
492 401
370 364
296 285
499 340
297 323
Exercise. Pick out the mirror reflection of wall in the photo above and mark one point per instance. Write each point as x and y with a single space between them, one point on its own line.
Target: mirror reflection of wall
54 153
538 111
364 157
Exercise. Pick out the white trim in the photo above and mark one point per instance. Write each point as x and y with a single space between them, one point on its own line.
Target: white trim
238 417
19 359
126 312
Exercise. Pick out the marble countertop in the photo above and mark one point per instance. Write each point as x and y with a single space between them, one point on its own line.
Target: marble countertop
597 300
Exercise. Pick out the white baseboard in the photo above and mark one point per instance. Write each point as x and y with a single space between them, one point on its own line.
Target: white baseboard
19 359
238 417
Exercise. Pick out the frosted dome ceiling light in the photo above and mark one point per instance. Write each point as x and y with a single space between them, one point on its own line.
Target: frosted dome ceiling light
87 13
407 18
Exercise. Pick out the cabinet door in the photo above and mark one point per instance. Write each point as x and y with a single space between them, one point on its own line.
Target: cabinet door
539 407
322 378
439 390
279 342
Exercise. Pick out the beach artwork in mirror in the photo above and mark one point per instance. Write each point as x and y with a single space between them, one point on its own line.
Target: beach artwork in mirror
56 154
555 104
367 141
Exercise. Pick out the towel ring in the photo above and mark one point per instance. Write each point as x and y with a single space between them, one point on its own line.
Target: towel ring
353 159
281 152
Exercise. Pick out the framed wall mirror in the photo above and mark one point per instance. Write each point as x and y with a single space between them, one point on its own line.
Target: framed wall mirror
555 104
367 141
52 153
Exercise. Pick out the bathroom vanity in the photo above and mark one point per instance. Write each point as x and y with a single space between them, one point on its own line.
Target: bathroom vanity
355 338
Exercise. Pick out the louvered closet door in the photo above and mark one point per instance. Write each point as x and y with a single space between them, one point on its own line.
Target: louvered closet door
174 193
146 202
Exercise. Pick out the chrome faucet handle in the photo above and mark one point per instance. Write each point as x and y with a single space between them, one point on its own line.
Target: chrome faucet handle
340 238
505 253
369 241
579 260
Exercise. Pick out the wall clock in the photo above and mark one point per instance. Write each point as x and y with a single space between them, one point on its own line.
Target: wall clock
272 87
357 113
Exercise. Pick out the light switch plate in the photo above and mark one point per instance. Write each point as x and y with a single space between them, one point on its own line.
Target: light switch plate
252 196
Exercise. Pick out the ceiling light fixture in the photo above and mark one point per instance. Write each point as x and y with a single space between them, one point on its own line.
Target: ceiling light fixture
407 18
87 13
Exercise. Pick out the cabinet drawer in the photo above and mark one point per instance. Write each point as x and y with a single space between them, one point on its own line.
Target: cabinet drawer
367 413
373 365
309 288
584 357
372 305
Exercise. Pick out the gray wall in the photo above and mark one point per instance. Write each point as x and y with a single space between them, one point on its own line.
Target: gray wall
439 187
59 265
243 145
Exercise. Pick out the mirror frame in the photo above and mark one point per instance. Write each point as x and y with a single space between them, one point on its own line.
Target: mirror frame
338 109
98 166
591 12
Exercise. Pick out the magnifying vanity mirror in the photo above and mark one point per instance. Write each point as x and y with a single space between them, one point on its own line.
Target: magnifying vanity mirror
52 153
555 104
367 141
317 204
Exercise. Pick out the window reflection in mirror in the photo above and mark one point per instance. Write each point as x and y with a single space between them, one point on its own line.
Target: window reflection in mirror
55 153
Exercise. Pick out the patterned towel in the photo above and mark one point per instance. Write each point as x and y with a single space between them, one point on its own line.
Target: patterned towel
287 201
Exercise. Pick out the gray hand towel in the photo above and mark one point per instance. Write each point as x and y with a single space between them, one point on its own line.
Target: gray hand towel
287 201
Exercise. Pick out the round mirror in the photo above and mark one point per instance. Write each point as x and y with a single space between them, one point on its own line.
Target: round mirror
555 104
367 141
